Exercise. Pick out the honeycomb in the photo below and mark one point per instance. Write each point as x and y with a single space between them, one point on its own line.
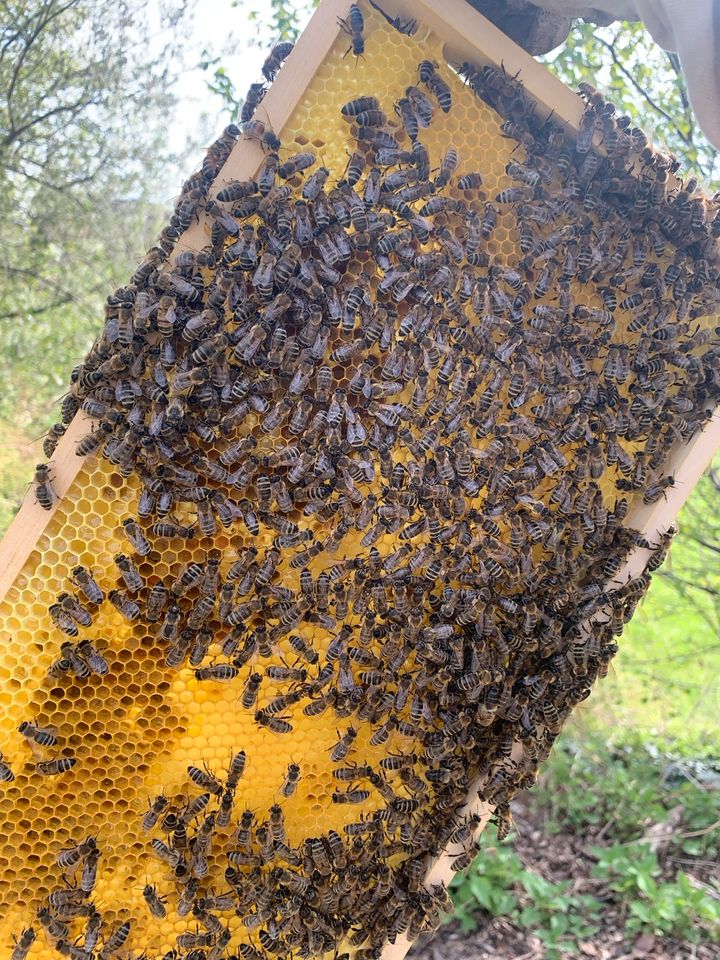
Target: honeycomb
134 730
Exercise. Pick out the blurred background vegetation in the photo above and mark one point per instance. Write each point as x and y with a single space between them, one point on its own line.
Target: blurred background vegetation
104 109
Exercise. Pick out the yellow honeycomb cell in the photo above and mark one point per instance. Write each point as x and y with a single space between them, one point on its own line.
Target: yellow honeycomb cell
134 731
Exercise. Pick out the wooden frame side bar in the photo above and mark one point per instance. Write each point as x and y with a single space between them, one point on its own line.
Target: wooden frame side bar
30 522
686 464
275 109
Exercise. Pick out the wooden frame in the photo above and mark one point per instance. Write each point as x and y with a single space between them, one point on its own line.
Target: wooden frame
467 36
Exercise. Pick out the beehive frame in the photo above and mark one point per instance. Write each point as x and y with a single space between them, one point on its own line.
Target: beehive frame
467 36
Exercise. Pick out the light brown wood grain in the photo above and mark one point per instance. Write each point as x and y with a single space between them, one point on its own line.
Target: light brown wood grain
31 520
468 35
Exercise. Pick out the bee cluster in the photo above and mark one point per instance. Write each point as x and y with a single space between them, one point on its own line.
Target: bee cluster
429 454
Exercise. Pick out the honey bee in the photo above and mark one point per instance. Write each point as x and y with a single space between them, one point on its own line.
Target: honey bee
115 941
252 101
448 165
406 27
437 86
315 184
6 774
62 620
40 735
277 672
53 927
53 437
194 809
132 579
190 941
236 770
299 644
250 692
74 609
277 824
52 768
275 59
360 105
156 903
136 536
23 944
341 749
244 831
657 489
292 778
69 858
171 623
180 648
353 25
408 117
267 173
156 808
274 724
205 780
127 607
44 493
470 181
217 671
171 531
350 796
95 660
295 164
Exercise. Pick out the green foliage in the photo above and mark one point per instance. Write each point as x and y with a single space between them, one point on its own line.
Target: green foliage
14 473
678 908
644 82
220 83
82 145
557 917
488 885
614 791
278 19
630 789
498 884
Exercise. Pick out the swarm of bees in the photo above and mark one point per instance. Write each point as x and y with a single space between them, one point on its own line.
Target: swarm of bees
71 903
430 460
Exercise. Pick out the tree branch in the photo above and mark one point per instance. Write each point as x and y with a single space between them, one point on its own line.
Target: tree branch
45 19
674 578
34 311
610 47
63 187
75 107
